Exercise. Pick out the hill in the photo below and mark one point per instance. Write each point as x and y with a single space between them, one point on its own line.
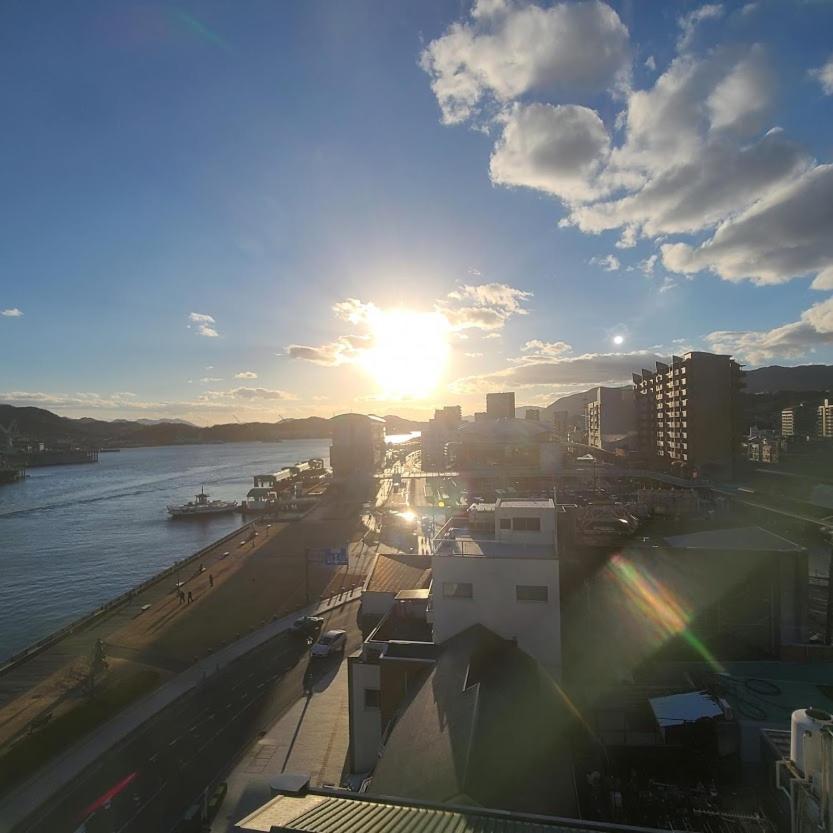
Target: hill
43 425
804 377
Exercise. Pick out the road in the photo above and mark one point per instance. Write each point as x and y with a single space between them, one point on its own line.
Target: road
147 783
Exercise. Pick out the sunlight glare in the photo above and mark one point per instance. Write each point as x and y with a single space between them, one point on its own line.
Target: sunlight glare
409 353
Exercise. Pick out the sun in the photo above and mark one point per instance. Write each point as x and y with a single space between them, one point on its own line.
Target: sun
409 352
618 340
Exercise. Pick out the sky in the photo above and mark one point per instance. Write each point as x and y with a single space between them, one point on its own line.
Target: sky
219 211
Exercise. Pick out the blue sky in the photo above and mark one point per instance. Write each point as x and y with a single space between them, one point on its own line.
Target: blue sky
191 191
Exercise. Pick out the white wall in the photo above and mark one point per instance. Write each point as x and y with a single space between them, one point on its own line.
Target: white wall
535 625
375 603
365 724
546 515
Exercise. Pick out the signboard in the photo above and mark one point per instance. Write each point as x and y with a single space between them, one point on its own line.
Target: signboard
336 557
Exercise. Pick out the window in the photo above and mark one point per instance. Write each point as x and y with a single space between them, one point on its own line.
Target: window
372 698
526 524
506 523
531 592
458 590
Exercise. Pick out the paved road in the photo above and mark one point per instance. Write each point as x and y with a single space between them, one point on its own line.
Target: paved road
146 783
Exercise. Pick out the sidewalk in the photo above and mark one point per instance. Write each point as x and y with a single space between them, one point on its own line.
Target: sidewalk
14 808
312 737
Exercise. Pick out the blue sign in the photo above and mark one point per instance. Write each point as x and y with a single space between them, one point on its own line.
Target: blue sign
336 557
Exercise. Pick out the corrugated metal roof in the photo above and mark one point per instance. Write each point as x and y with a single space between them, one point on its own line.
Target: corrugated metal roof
330 814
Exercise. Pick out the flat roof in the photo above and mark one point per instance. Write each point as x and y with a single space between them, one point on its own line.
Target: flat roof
512 503
406 595
393 572
688 707
740 539
466 545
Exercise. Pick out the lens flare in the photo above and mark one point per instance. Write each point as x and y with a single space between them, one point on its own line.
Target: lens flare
657 606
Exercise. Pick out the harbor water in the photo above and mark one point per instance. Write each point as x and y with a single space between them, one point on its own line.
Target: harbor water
74 537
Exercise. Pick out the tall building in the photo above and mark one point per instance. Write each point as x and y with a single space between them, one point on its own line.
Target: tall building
688 412
437 434
611 418
561 422
824 421
533 414
798 421
358 445
500 405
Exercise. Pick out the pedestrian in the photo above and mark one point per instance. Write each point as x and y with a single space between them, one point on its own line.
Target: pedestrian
190 597
181 596
210 580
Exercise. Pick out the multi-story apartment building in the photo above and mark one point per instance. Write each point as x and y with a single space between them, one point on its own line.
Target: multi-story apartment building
500 405
611 418
358 445
798 421
437 434
824 420
688 412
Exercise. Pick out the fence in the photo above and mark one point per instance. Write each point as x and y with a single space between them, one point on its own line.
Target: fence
89 618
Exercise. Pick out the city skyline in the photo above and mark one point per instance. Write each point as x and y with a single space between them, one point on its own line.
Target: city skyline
309 209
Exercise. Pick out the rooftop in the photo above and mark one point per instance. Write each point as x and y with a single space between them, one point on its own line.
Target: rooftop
399 571
329 811
513 503
485 726
741 539
484 546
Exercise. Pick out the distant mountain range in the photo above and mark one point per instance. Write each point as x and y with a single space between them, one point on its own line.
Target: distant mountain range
40 424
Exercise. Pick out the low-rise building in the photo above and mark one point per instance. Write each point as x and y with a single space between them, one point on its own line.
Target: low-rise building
391 573
506 580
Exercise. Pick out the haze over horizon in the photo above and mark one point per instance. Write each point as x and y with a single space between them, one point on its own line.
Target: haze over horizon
298 210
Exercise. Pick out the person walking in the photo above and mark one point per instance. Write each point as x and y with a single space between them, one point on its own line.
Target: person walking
190 597
210 580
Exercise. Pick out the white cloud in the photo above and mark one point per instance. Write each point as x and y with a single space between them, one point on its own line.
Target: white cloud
793 340
824 75
245 374
508 50
784 236
610 263
584 370
343 350
651 63
245 393
537 348
559 150
12 312
647 266
207 380
474 355
204 324
688 23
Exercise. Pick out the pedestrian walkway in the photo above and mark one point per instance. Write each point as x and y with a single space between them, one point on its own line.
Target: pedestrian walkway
312 738
23 801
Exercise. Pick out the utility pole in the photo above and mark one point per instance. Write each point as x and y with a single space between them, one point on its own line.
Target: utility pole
306 573
828 629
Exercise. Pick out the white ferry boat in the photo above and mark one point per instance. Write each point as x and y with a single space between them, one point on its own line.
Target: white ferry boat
201 506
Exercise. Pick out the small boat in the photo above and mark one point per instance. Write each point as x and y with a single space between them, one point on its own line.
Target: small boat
201 506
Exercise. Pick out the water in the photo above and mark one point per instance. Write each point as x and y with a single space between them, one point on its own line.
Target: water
73 537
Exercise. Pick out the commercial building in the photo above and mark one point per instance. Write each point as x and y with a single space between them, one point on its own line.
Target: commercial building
611 418
506 580
688 413
561 423
533 414
505 445
441 430
500 405
358 445
824 419
798 421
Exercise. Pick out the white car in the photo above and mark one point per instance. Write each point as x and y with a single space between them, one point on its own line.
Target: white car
329 643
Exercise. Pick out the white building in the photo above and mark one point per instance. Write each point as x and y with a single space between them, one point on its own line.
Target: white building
507 581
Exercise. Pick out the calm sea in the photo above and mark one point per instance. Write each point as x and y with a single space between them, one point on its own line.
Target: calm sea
72 537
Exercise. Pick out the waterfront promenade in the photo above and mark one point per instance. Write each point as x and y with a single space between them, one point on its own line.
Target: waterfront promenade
257 582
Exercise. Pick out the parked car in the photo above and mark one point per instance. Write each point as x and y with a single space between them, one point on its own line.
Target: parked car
332 642
307 626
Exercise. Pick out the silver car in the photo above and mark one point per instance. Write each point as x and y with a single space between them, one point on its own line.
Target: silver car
329 643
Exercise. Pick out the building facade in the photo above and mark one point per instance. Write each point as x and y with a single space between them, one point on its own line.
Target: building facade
824 419
611 418
441 430
798 421
507 582
358 445
500 405
688 413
